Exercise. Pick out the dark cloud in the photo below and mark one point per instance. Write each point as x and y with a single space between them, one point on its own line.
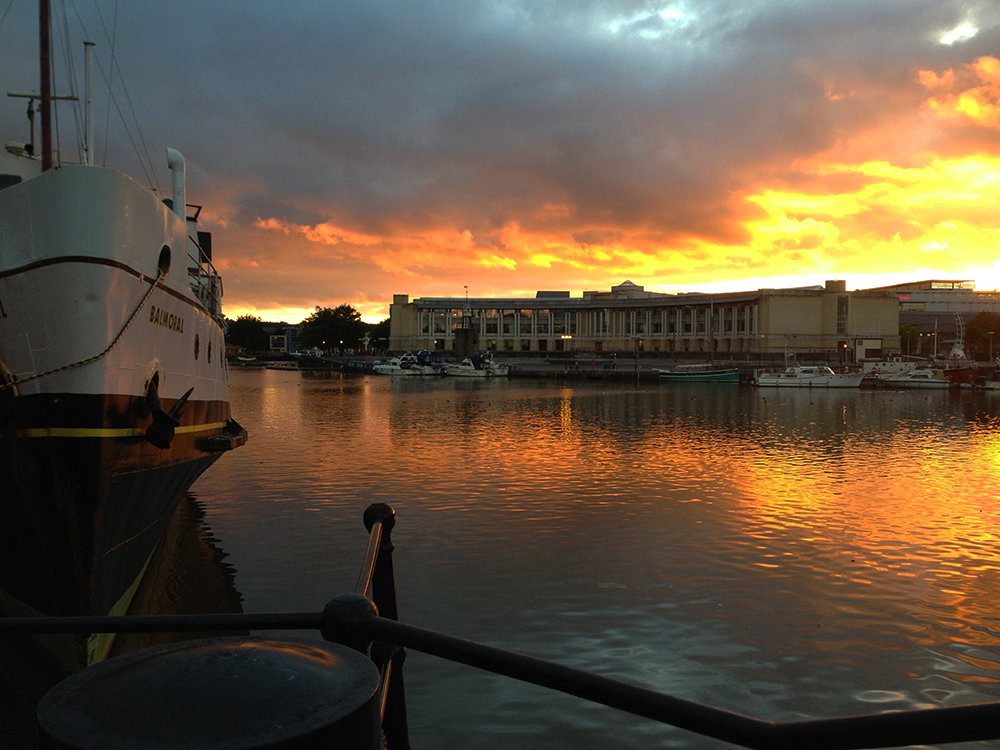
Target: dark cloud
597 237
393 117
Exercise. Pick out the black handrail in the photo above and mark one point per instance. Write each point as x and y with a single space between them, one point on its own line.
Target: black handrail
370 625
917 727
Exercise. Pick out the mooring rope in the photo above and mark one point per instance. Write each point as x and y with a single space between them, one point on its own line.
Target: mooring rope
160 276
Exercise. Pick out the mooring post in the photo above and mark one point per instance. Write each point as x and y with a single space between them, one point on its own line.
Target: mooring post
390 658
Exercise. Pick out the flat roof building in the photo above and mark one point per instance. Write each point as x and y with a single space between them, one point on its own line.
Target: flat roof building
824 323
939 309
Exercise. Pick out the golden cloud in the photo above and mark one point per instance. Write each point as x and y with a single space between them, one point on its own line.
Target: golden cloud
977 103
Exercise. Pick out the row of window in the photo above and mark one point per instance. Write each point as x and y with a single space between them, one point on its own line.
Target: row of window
589 323
637 345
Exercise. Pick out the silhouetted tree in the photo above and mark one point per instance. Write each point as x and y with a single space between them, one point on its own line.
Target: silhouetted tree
247 331
332 328
378 334
909 339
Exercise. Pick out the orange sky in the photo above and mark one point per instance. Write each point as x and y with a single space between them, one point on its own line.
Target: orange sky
347 152
914 197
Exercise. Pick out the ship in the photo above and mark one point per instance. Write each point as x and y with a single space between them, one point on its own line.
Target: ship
113 376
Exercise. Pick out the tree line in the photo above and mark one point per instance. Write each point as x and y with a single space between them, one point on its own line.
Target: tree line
326 328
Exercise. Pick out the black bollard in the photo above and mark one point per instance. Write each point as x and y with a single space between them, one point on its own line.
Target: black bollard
218 694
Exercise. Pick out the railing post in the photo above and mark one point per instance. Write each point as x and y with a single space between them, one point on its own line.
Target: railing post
383 594
383 581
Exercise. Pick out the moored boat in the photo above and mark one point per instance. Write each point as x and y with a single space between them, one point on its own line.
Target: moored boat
808 376
424 362
113 382
282 365
477 366
878 368
922 378
960 376
699 374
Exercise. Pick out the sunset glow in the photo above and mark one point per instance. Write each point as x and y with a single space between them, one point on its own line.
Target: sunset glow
522 147
902 201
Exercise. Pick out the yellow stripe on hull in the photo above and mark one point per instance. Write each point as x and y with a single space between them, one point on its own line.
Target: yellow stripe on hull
100 432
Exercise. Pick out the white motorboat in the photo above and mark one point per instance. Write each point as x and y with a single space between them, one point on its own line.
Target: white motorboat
705 373
424 362
477 366
808 376
924 378
879 368
114 386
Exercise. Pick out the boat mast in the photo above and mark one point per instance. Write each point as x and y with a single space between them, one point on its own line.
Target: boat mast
45 60
88 67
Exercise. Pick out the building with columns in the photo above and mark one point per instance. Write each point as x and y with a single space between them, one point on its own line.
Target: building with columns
822 323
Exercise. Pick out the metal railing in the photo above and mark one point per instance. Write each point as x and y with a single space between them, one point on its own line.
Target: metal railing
367 620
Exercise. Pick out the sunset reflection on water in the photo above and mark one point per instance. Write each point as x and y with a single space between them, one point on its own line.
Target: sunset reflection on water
781 554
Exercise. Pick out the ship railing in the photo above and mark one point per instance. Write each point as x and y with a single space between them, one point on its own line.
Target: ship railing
366 620
205 281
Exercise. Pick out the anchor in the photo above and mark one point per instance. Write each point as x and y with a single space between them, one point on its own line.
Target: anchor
161 432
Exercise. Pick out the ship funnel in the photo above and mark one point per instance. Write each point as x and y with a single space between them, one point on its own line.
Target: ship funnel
175 160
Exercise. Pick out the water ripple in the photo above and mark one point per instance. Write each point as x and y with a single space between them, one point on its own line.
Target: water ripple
784 555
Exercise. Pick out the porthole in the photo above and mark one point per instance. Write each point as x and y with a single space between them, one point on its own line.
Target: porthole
163 264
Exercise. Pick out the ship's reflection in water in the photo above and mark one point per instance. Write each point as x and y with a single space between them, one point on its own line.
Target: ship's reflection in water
188 574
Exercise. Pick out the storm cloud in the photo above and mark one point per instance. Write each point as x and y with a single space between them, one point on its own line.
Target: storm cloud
348 151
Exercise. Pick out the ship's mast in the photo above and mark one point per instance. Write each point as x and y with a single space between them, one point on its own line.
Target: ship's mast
45 66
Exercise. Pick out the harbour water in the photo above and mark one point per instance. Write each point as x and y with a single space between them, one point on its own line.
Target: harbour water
783 554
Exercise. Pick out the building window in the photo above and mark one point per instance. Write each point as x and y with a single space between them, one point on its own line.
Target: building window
508 345
842 314
525 345
560 345
491 345
543 345
525 327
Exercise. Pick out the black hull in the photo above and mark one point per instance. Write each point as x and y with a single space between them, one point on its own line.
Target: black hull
86 498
